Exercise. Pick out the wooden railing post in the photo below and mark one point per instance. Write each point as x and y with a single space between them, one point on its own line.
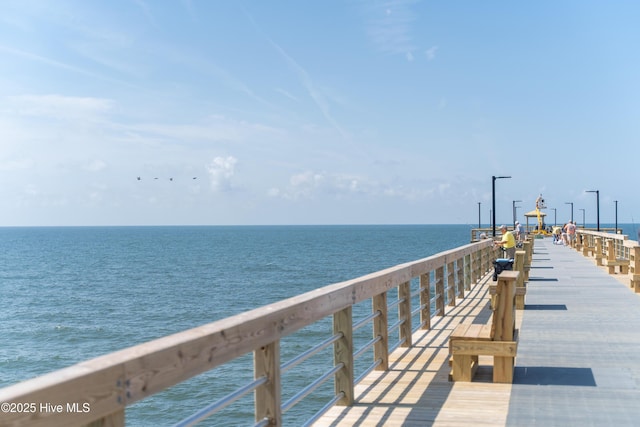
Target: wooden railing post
467 272
528 249
586 244
578 242
475 267
451 284
520 287
266 362
611 250
439 291
489 257
599 251
343 353
634 268
404 312
381 330
425 300
460 277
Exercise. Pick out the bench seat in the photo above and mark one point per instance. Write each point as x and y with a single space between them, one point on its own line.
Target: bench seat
622 263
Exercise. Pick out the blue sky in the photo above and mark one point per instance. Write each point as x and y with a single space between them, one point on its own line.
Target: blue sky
325 112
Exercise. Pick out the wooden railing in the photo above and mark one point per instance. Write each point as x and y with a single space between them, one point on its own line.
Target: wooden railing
97 392
612 250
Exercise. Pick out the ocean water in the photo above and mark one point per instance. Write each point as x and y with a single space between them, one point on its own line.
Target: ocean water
69 294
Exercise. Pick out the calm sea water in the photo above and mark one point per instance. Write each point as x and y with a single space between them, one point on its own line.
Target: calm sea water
73 293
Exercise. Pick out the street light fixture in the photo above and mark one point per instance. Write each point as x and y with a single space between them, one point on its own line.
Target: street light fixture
616 202
479 222
570 203
514 212
583 226
493 199
597 205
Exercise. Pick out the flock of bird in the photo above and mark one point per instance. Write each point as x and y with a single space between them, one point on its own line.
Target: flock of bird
170 179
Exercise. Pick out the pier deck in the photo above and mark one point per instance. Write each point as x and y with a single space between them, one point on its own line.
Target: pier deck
576 362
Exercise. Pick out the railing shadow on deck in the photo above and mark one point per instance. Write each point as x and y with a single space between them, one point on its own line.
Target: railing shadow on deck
111 383
426 362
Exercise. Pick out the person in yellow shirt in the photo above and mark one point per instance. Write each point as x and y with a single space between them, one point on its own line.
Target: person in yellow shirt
508 242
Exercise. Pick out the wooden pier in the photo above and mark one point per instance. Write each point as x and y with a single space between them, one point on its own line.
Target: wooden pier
575 364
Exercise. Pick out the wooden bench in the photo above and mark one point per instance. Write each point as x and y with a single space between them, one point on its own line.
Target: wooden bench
612 262
499 338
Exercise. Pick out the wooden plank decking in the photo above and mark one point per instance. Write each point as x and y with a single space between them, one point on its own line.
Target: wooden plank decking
576 364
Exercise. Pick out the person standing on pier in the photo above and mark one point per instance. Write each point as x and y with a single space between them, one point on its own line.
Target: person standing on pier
518 232
508 242
571 232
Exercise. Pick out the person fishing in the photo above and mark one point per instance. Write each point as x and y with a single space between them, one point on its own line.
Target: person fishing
508 242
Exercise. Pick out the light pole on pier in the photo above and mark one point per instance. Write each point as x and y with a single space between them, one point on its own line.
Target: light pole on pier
555 216
514 212
493 199
597 205
616 202
570 203
583 226
479 222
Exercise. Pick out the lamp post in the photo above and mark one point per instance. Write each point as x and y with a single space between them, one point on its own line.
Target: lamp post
493 199
570 203
514 212
597 205
555 216
616 202
479 222
583 226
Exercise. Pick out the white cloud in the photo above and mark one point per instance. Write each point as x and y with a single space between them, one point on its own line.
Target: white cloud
221 171
431 53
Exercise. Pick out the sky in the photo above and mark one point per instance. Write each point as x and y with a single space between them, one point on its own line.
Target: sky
198 112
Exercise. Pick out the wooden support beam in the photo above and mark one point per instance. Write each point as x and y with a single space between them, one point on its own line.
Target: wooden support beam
425 301
439 291
266 362
404 313
381 329
343 353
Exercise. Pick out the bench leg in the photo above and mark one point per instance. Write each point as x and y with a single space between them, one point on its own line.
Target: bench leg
503 369
463 367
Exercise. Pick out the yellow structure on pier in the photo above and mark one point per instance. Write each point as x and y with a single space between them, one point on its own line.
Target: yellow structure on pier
540 230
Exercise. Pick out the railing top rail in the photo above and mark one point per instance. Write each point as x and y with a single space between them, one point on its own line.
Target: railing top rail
603 234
